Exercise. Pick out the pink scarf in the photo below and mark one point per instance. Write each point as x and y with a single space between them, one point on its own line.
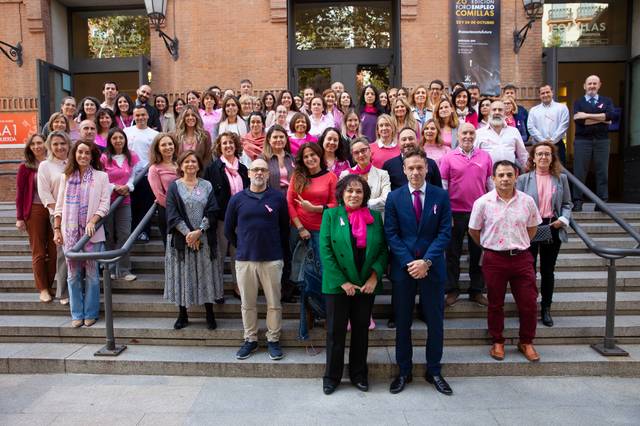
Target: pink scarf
370 109
75 211
235 180
358 171
359 219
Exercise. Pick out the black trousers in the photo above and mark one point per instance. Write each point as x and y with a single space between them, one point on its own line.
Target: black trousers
548 256
340 309
454 251
142 199
162 223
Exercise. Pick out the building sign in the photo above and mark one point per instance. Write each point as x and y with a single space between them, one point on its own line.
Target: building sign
364 26
475 44
584 24
16 127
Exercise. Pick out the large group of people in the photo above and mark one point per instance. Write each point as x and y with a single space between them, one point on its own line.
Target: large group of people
314 197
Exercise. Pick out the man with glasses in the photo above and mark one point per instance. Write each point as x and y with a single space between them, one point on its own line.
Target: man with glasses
257 224
436 87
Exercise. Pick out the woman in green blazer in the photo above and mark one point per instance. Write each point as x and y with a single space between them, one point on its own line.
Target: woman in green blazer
353 252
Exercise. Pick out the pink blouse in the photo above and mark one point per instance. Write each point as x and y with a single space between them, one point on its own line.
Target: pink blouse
545 194
160 177
295 143
119 175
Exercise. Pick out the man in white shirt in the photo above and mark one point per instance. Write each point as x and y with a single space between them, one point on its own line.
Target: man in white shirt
549 121
139 140
87 129
502 142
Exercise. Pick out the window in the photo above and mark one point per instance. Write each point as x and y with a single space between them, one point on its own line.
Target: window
584 24
100 35
365 26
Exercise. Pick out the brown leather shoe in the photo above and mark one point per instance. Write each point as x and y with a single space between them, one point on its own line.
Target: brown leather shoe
529 351
479 298
451 298
497 351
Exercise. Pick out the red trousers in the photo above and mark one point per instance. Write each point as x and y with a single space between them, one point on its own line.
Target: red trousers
43 249
498 270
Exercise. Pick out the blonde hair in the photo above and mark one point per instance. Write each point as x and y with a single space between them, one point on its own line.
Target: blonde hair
390 120
409 119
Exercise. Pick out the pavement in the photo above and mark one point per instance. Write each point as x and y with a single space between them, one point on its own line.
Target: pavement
79 399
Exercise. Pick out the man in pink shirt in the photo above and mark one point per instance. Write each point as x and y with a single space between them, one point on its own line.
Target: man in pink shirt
466 174
503 222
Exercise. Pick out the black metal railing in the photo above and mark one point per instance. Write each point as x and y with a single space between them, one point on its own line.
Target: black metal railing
107 258
608 346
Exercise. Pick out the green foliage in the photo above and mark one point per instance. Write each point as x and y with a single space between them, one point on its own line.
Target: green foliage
118 36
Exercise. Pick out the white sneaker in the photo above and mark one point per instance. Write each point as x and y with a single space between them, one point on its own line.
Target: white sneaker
129 277
64 301
113 276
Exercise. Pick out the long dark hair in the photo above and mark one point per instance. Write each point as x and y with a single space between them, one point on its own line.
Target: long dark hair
301 175
110 151
82 114
376 102
100 113
72 163
342 153
30 160
117 109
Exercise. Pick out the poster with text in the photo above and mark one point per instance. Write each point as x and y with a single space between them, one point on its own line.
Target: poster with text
475 44
16 127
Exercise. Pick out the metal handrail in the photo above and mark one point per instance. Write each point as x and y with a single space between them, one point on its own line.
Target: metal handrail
608 347
107 257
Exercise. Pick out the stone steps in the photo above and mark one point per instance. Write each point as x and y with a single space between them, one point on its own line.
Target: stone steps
159 331
141 305
565 281
460 361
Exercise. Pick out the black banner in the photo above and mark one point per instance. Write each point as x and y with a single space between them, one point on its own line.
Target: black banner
475 44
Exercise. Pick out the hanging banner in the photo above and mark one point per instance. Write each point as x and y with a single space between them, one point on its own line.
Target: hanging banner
16 127
475 44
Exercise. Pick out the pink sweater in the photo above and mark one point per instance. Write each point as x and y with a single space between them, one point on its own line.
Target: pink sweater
160 177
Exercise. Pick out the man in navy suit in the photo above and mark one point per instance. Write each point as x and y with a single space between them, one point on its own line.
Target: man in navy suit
418 229
408 140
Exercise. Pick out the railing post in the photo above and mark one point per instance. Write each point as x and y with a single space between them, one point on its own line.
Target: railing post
608 347
110 349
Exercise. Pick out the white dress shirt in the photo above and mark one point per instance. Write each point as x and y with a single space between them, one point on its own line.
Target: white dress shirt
506 145
548 122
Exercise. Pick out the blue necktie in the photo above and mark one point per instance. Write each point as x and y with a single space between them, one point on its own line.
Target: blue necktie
592 101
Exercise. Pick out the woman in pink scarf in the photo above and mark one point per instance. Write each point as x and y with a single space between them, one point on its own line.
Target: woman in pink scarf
83 199
228 177
353 252
253 142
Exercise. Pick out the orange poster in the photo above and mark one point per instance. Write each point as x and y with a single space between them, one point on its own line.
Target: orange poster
16 127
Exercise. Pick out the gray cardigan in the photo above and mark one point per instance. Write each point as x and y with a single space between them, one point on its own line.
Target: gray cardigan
561 200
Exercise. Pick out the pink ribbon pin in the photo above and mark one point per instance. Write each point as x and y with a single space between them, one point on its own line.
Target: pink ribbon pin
269 209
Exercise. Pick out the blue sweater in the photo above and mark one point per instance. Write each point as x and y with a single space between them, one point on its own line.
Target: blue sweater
258 226
594 131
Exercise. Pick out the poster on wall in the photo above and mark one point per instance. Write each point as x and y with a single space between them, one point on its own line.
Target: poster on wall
16 127
475 44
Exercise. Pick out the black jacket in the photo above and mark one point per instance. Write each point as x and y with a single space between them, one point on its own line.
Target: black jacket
398 178
215 174
177 212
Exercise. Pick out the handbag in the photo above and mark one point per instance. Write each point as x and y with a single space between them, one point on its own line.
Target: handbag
543 235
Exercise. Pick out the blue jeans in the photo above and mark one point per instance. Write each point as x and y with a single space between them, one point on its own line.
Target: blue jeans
84 291
311 287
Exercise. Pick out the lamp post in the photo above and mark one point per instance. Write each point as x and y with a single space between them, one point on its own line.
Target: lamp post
14 53
157 12
533 8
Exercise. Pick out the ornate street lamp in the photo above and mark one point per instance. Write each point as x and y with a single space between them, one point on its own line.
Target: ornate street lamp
156 11
14 53
533 8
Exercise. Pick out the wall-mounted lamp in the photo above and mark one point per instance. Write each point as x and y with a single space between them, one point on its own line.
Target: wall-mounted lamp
157 12
533 8
14 53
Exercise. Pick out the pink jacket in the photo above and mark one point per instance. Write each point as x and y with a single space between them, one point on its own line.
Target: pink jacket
99 202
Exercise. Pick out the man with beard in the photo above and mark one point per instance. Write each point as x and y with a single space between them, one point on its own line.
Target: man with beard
144 94
502 142
257 223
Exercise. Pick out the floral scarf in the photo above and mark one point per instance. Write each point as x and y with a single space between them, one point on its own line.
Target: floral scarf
75 212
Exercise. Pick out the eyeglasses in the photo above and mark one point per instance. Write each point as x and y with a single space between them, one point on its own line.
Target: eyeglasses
360 152
259 170
543 154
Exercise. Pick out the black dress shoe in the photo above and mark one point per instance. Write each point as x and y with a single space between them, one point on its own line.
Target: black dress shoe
439 383
181 323
399 383
391 323
328 389
577 207
545 314
361 385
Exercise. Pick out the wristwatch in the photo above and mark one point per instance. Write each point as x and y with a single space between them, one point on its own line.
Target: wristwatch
428 262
